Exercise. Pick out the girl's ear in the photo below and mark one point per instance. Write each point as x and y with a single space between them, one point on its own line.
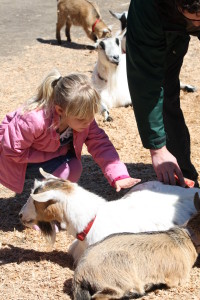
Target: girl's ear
59 110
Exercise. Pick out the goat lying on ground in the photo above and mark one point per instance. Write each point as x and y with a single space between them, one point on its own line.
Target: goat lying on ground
82 13
90 218
127 265
109 75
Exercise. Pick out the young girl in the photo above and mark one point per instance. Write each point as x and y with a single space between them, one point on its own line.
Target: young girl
49 132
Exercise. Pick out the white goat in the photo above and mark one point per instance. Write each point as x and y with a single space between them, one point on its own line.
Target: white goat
90 218
125 266
109 75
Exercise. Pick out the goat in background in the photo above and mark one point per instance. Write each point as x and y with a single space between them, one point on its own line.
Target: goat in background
109 75
127 265
82 13
90 218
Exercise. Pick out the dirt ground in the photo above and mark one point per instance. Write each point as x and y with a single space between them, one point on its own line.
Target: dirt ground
29 269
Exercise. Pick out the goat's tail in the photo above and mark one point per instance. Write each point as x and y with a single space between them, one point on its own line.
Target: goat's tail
81 291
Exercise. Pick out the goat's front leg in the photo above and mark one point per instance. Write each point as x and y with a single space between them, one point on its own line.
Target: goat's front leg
105 113
76 249
188 88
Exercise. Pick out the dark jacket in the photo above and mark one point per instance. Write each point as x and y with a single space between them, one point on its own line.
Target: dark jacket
157 35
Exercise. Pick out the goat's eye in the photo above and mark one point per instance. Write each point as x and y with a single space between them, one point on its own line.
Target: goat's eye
102 45
117 41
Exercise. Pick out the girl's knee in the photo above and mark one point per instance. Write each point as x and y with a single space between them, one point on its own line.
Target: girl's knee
75 167
71 170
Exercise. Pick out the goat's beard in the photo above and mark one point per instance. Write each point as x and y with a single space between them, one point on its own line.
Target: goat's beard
48 229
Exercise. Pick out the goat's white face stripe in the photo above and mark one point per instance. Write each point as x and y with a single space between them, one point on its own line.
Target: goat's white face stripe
28 211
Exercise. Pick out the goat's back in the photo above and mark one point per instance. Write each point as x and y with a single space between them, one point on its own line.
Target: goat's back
135 261
78 11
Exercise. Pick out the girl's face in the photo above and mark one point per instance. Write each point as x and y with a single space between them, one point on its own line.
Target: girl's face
77 124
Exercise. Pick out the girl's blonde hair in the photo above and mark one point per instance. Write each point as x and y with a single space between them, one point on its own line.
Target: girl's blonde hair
73 93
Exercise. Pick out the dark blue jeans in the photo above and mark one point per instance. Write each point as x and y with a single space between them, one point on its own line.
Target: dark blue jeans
49 166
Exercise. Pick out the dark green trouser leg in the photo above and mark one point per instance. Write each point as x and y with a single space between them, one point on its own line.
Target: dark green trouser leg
178 137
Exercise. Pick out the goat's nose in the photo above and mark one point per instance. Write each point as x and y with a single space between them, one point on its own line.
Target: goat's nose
116 57
20 215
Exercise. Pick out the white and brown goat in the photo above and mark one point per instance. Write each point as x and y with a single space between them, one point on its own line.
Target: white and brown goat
90 218
127 265
82 13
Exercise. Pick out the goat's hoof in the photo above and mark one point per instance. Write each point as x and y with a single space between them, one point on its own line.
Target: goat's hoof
189 88
109 119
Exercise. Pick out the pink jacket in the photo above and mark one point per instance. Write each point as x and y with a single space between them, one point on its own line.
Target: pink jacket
32 138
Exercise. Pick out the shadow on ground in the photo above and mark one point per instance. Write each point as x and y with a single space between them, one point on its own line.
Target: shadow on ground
66 44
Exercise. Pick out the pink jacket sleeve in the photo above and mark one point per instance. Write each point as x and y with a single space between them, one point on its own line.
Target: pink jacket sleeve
104 154
18 138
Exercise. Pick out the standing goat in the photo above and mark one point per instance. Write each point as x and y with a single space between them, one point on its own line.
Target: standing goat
82 13
125 266
90 218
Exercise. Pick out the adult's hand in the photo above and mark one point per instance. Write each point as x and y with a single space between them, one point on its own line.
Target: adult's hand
166 166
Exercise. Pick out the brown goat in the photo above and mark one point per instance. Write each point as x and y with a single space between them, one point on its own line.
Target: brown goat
80 13
127 265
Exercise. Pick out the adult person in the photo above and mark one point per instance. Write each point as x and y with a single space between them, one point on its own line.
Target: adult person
158 35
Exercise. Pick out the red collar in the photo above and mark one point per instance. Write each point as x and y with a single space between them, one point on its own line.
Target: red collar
82 235
95 23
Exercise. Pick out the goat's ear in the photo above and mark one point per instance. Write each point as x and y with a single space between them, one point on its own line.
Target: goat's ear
45 196
45 174
197 201
116 15
122 34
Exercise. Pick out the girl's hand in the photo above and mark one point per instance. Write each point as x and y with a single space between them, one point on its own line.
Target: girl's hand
125 183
